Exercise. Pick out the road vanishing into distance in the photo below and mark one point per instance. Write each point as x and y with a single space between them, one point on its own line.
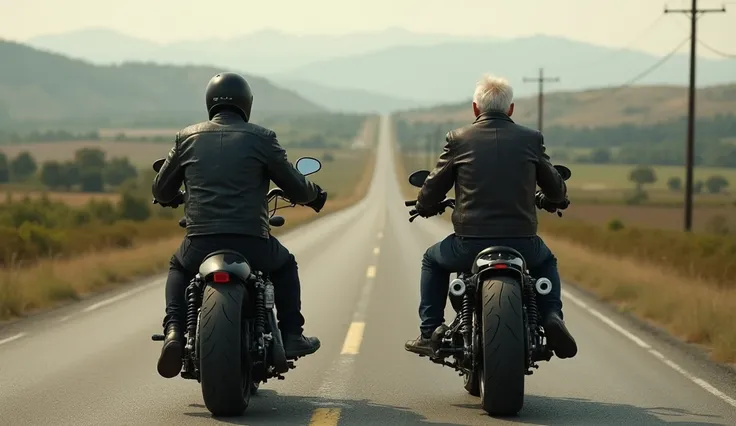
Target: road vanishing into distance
93 363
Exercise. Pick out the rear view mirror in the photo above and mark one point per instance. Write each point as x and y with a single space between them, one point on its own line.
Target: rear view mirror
308 165
417 178
563 171
158 164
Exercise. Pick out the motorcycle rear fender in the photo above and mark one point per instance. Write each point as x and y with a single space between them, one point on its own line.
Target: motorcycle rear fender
228 261
499 260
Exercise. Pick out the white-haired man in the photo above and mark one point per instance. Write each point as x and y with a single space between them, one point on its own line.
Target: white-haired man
495 166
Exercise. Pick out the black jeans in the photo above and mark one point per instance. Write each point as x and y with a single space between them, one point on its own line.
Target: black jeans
456 254
265 255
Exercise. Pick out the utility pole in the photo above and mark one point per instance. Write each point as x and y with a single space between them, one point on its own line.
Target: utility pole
694 13
540 107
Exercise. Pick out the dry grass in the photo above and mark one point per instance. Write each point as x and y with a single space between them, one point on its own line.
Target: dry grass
52 282
636 105
651 216
695 310
73 199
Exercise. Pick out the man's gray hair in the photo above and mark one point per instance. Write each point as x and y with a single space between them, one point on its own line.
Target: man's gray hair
493 94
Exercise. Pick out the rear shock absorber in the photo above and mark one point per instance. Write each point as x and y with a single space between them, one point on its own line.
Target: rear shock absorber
466 318
531 303
192 296
260 311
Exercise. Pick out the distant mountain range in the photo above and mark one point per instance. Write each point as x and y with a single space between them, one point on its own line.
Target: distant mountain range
41 88
396 68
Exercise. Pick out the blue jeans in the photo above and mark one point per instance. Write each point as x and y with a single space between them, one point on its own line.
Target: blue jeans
456 254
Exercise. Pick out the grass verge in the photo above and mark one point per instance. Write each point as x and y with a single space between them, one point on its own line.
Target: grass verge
52 282
671 287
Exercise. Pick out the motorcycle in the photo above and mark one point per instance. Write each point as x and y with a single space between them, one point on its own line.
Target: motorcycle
496 308
232 340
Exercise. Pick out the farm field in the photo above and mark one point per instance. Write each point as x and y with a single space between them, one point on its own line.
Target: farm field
141 154
73 199
655 217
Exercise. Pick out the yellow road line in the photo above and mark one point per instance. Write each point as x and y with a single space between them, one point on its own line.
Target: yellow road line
376 250
371 272
325 417
353 339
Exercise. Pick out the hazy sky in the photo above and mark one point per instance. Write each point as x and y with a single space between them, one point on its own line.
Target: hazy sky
608 22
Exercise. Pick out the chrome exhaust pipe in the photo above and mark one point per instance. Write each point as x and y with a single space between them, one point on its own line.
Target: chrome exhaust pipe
543 286
457 287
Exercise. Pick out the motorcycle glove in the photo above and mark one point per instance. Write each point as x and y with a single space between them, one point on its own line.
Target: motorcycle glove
176 202
318 203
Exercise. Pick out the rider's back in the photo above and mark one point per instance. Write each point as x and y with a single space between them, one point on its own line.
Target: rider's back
497 165
224 162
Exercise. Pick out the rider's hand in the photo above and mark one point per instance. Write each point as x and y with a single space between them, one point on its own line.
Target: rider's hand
318 202
543 203
423 211
176 202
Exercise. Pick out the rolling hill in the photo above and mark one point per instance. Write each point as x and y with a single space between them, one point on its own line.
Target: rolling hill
598 108
447 72
262 52
40 88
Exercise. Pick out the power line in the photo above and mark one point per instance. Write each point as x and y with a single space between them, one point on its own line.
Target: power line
604 58
694 13
540 103
716 51
643 74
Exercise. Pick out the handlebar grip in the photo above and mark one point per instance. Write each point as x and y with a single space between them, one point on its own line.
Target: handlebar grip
410 203
413 212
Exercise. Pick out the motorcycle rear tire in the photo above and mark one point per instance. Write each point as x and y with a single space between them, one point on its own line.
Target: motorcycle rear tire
225 368
503 368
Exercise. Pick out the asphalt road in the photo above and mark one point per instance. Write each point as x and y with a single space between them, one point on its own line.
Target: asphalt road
93 363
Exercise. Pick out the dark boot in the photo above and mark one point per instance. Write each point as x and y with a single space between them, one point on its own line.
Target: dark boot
297 345
170 361
421 346
559 338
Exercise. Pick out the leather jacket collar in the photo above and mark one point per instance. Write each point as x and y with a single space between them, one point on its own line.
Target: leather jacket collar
492 116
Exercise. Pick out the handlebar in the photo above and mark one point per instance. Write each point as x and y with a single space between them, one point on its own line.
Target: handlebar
450 202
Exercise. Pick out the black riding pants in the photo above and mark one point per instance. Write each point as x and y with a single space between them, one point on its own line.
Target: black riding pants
266 255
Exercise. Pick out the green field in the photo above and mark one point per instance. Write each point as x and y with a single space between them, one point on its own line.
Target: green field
616 176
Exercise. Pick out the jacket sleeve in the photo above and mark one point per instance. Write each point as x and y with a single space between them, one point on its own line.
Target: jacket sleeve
548 178
170 177
440 180
295 185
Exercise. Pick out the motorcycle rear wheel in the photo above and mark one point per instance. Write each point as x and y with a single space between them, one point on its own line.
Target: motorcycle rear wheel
502 371
224 339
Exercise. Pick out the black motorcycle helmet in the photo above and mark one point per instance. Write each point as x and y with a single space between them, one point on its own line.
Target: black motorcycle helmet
228 90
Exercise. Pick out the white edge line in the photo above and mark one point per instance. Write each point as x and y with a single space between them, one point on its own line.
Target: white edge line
639 342
11 338
120 296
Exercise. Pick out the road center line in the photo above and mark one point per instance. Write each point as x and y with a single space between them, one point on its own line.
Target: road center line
325 417
376 250
641 343
371 272
11 338
353 339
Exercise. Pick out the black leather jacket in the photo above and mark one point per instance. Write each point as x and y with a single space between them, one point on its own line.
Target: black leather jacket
495 166
226 165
